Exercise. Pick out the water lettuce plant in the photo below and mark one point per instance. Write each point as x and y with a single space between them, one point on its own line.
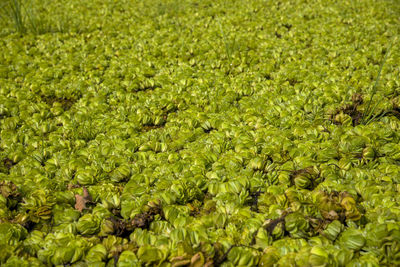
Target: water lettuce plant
201 133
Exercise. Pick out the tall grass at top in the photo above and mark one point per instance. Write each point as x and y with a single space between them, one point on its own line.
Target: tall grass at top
22 17
17 16
12 13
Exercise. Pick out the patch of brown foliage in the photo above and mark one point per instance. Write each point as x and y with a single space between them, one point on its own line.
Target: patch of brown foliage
82 200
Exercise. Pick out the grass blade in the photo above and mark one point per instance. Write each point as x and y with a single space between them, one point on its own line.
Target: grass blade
227 48
368 111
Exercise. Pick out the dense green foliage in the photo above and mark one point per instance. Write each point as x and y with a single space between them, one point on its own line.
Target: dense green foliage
176 133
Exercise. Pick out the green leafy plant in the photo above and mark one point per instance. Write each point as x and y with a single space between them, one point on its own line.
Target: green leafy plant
195 134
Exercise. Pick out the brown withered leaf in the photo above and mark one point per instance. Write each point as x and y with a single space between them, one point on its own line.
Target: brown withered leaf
180 261
332 215
197 260
81 200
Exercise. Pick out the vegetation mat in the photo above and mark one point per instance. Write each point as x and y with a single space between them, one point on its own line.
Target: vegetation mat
199 133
